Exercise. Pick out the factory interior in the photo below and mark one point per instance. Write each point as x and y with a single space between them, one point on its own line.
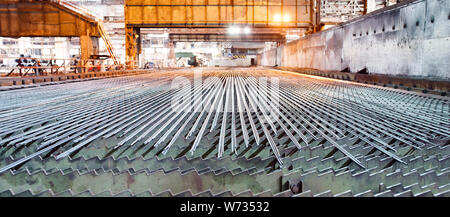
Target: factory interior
224 98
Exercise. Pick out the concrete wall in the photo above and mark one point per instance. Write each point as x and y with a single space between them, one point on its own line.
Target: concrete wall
411 38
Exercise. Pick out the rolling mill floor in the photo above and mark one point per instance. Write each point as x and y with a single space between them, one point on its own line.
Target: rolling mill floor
237 132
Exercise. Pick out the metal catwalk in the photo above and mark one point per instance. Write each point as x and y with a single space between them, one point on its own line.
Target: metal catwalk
230 132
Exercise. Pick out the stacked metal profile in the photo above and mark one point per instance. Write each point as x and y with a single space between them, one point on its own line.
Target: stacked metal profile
132 136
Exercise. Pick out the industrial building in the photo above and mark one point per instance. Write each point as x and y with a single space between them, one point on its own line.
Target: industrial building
229 98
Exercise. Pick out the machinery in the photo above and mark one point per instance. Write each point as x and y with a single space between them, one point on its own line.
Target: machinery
358 109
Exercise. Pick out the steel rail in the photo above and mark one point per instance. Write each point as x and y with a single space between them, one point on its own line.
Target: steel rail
241 115
255 132
338 118
348 123
269 138
362 117
206 121
285 129
212 93
197 121
199 100
233 118
187 106
42 130
325 136
221 145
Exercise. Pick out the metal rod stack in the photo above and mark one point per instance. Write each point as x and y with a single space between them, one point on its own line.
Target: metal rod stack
272 119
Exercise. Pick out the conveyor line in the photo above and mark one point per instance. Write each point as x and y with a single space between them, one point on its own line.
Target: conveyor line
348 126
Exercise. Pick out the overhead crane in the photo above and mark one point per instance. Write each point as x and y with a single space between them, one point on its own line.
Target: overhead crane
53 18
203 14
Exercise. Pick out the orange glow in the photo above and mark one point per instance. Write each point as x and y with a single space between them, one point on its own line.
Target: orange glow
277 18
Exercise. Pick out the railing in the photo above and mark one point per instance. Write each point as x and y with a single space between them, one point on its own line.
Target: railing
39 67
77 9
341 10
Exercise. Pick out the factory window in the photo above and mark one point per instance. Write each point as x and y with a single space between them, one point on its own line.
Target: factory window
9 42
13 51
42 41
113 18
36 51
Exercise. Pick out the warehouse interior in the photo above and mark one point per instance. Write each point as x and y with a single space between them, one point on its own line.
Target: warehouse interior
228 98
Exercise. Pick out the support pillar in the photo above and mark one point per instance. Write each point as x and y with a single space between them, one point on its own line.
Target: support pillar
369 6
315 15
89 46
132 46
172 61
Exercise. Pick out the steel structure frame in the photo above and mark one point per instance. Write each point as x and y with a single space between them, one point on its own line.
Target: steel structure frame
342 10
30 18
215 14
53 18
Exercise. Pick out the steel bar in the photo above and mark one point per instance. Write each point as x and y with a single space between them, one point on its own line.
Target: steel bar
347 121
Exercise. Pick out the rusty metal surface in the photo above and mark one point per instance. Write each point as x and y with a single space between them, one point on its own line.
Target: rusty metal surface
295 14
227 38
30 18
219 13
120 137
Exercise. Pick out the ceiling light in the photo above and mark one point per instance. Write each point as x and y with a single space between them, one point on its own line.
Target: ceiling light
277 18
247 30
234 30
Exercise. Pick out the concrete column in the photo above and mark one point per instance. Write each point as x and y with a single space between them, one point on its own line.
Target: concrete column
369 6
89 46
132 46
172 61
315 15
171 50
